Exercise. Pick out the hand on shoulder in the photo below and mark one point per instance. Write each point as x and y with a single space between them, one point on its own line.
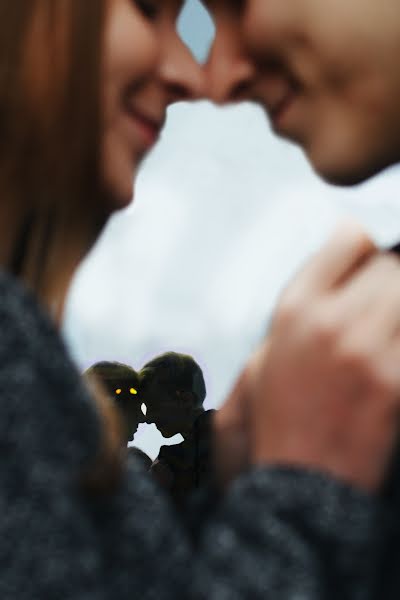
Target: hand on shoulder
323 390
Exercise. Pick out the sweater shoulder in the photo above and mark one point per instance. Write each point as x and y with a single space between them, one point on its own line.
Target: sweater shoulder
44 407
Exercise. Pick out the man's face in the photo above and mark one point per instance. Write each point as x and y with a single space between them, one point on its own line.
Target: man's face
172 410
326 72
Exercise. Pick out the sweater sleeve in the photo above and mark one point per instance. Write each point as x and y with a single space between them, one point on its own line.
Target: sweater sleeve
279 534
283 534
291 534
48 543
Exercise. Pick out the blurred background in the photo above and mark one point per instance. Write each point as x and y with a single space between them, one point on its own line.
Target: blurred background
223 215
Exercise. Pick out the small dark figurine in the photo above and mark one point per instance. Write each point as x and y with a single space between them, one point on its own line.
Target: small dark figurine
122 384
173 389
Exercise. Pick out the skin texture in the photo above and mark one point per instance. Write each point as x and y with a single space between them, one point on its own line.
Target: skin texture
328 79
146 68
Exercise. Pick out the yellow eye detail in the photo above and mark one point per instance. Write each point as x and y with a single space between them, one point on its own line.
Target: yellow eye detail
133 391
118 391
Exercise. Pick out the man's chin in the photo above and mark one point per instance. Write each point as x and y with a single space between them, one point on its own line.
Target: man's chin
343 178
349 173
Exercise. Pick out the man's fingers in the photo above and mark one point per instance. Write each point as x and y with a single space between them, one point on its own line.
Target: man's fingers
372 297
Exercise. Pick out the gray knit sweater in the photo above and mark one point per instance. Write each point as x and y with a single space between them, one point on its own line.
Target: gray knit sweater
277 534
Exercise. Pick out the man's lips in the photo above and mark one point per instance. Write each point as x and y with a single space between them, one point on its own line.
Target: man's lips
277 92
280 108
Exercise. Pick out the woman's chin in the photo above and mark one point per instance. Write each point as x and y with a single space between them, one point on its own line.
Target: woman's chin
119 177
121 196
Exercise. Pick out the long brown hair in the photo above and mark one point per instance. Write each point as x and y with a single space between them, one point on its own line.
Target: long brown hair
52 203
51 198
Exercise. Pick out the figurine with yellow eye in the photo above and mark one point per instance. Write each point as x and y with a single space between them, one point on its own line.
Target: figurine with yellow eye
122 384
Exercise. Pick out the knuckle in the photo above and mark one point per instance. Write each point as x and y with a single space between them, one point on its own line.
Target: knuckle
320 325
356 237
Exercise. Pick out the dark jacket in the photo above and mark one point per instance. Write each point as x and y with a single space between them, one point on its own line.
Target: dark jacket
189 463
277 534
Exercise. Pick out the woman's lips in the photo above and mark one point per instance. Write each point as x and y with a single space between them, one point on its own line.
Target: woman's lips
147 127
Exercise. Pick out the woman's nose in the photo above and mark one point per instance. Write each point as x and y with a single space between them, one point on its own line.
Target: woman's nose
182 75
229 71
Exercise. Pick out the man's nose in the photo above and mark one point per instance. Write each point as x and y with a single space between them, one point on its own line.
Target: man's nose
229 71
150 414
182 75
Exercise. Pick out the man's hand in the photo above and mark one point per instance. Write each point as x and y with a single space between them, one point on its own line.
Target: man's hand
324 391
231 433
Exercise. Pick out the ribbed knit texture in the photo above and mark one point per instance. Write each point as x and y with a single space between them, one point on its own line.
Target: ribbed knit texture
279 534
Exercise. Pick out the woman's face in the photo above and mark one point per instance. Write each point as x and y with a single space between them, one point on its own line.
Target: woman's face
326 72
147 67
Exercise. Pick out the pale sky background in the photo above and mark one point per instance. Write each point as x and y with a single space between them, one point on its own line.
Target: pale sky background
224 214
